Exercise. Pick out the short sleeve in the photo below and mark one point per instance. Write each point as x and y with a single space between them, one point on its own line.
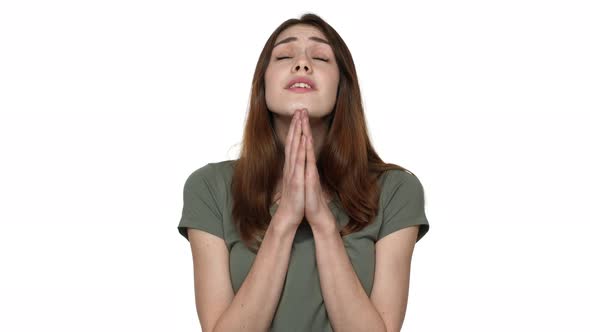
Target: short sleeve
200 209
403 204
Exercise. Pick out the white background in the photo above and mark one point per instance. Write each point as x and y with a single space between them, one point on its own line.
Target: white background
107 106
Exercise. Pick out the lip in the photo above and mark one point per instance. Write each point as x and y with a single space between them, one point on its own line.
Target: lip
300 90
301 79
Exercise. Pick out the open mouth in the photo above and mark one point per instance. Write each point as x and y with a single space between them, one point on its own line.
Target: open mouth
300 87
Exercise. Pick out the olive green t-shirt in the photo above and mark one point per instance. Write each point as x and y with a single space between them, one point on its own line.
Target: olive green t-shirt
208 205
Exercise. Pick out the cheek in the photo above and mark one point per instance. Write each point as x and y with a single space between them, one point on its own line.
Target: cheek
270 84
270 79
336 81
332 85
271 89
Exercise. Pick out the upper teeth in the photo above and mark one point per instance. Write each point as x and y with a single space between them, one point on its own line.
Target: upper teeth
301 85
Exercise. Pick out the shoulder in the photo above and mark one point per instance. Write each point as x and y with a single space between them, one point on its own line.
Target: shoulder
401 182
212 172
395 177
212 179
399 176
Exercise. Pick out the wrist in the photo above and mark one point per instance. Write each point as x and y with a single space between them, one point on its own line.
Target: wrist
327 226
281 226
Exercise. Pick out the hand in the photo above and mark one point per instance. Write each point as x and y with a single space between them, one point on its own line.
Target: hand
317 212
291 207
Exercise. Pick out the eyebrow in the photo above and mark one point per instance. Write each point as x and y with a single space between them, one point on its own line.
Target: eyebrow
290 39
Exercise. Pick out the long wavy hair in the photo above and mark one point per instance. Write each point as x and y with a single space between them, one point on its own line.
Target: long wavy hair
348 165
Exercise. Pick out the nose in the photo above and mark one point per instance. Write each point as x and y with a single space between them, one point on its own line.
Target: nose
306 68
302 62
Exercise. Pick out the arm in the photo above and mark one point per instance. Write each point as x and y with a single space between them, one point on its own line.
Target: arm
393 258
255 303
349 308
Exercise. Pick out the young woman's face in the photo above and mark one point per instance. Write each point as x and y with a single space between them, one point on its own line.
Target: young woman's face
302 57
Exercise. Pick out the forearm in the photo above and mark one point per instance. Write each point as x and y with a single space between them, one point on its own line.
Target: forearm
255 303
349 308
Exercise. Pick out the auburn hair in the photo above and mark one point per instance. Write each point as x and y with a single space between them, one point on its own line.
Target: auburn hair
348 165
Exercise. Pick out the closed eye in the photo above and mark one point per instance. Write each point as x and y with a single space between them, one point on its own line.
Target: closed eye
288 57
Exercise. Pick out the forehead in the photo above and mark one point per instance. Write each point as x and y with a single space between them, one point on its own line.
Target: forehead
301 30
300 34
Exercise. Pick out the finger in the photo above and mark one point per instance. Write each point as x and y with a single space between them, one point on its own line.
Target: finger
293 142
310 153
289 143
307 132
305 122
309 146
300 166
295 146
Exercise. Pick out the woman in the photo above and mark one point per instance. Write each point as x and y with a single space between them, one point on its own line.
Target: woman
308 230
